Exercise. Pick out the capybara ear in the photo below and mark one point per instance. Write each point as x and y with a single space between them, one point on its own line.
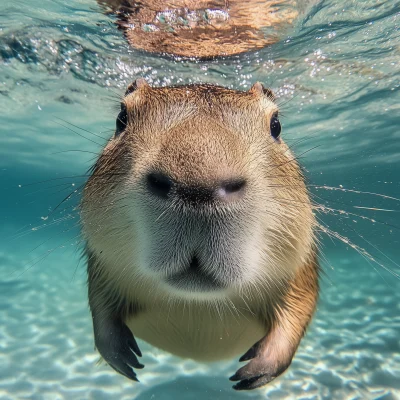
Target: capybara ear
259 90
137 84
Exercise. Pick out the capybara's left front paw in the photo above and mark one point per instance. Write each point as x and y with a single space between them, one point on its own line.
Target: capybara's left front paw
263 368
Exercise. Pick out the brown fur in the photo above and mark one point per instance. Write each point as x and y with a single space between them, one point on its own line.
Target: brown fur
212 27
259 246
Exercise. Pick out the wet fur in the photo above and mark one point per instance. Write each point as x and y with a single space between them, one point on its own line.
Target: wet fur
262 249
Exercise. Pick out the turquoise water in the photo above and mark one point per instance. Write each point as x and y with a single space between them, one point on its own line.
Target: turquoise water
337 78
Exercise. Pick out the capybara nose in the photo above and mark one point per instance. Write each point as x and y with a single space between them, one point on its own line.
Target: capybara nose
225 191
162 186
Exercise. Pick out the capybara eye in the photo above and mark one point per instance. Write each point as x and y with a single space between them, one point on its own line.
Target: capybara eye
275 127
122 120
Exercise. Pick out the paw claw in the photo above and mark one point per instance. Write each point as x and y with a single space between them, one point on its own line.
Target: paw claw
245 357
258 372
234 378
119 349
134 346
125 370
253 383
251 353
131 360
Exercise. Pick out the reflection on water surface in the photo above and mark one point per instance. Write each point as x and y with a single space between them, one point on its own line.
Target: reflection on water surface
204 28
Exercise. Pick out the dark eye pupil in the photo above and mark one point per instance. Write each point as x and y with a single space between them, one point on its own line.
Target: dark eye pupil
275 127
122 120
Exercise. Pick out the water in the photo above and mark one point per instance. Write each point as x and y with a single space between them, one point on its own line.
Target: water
337 77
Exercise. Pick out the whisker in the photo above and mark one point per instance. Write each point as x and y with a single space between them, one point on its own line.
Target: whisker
377 249
353 191
118 95
72 177
26 231
294 96
43 257
77 151
65 185
296 158
376 209
364 253
337 212
65 199
77 133
82 129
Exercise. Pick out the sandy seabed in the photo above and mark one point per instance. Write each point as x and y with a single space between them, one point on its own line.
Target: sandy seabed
351 351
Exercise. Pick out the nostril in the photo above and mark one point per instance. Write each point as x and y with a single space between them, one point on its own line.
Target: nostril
159 184
232 187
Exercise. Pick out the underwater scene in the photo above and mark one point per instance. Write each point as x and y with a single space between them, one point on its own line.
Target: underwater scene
335 70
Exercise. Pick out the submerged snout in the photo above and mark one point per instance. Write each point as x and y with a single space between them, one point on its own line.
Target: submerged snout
161 185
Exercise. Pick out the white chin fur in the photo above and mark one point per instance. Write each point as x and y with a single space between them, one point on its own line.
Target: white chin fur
142 246
228 254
